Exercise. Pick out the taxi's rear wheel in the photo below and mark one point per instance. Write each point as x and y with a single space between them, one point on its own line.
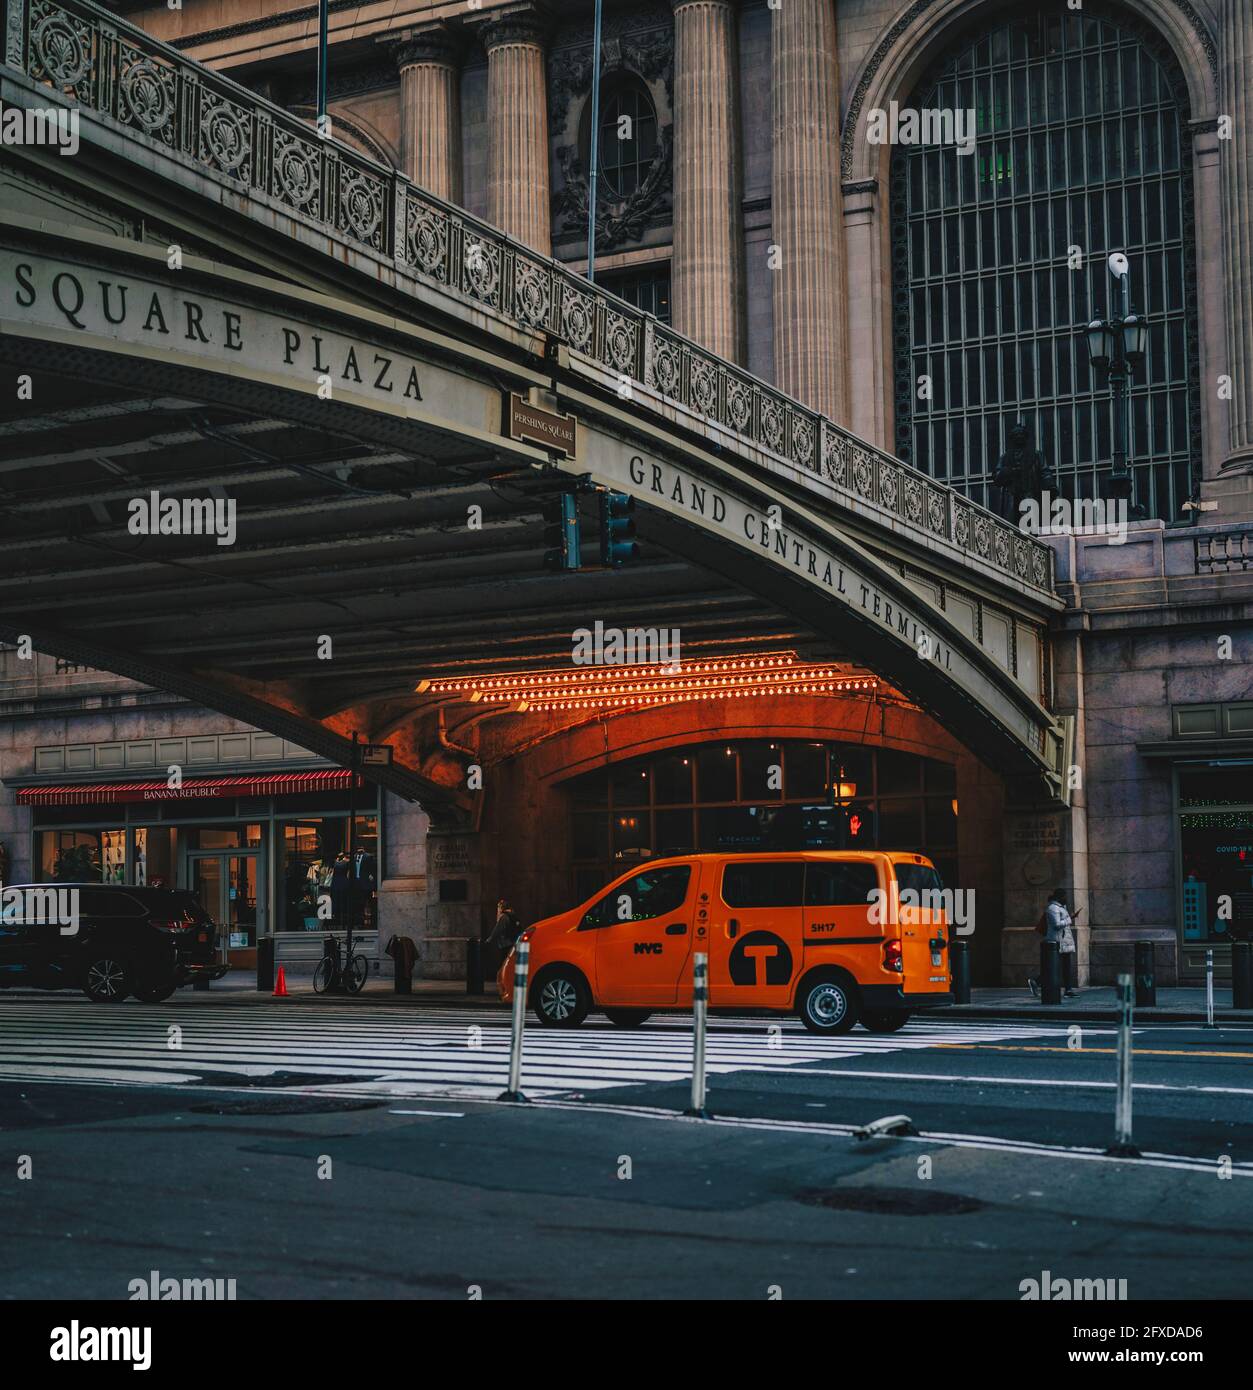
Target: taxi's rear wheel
827 1004
627 1018
562 998
884 1020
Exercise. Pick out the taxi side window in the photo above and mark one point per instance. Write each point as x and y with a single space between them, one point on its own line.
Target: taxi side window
839 885
649 894
763 885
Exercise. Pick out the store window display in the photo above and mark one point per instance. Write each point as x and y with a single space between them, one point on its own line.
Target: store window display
318 868
82 856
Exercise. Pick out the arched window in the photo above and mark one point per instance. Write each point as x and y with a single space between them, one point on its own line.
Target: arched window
628 136
1000 256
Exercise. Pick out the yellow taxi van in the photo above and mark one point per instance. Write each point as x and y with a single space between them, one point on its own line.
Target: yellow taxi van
837 937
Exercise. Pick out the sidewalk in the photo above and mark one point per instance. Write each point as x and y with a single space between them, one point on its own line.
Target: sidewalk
1177 1004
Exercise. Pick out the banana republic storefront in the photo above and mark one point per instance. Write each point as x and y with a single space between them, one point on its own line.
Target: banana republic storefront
267 851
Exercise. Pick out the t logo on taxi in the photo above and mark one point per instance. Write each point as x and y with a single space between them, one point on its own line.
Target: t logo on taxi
760 958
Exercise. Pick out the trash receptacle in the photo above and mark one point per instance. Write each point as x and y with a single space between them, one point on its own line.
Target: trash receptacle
404 955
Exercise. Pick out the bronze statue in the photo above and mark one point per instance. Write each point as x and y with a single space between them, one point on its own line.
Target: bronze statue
1021 473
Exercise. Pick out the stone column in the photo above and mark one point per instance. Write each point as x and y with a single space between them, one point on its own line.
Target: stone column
868 358
430 110
519 201
708 279
1235 31
810 333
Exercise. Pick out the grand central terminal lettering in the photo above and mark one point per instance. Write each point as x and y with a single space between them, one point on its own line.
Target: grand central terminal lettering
706 501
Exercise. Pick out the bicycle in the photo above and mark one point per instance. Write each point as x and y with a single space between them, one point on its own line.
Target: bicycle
336 975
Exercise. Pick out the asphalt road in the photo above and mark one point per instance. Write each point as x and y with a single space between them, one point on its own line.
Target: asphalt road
317 1154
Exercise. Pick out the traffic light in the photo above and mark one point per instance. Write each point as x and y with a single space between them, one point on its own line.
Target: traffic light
617 528
561 533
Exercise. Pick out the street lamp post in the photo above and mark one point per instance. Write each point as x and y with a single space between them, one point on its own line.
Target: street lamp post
324 17
1116 348
594 168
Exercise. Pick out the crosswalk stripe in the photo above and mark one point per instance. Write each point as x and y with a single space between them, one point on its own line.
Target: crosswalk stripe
433 1051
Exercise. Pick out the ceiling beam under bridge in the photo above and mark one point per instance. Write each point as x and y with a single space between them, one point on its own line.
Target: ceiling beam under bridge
227 695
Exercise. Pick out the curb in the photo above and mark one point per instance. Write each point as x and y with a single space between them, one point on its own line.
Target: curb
1054 1012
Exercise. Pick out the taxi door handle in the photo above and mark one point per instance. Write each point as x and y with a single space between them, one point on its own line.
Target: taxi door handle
733 927
677 929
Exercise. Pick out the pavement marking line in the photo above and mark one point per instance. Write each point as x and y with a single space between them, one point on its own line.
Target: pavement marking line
1136 1051
1006 1080
442 1114
989 1143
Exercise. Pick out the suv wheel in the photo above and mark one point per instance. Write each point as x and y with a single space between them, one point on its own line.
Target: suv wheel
561 998
106 980
827 1005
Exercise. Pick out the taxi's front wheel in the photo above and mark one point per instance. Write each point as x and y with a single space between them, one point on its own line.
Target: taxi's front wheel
562 999
827 1004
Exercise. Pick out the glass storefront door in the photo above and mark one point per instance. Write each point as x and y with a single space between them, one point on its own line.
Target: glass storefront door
231 890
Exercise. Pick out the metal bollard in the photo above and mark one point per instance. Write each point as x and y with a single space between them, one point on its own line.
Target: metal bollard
959 956
1209 987
1050 973
700 1012
265 965
474 966
1146 976
402 979
522 952
1122 1147
1241 975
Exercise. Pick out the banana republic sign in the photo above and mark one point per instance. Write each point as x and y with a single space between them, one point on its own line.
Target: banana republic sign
146 317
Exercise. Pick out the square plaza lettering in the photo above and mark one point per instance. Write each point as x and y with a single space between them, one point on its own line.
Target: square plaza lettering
700 498
162 319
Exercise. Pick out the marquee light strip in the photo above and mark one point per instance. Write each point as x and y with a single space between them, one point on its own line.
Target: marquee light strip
511 686
710 685
622 700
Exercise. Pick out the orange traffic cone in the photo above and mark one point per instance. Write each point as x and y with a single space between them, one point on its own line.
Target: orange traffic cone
280 985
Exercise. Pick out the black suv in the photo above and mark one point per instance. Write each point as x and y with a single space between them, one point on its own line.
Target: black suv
141 941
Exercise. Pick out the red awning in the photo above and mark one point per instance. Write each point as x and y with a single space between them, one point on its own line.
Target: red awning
109 793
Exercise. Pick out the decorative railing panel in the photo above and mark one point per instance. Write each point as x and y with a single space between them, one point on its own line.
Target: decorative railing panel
108 66
1229 552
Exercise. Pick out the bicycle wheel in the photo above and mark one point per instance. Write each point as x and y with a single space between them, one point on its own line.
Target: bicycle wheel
324 975
357 974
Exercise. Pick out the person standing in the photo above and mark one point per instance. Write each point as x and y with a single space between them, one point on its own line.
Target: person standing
1056 924
507 929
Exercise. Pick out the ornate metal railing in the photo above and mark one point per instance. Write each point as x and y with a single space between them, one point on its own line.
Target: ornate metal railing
111 67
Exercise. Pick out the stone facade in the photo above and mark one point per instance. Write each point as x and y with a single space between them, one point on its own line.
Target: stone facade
772 263
776 226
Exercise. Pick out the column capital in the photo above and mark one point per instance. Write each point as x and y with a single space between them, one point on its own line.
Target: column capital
428 43
677 5
527 23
